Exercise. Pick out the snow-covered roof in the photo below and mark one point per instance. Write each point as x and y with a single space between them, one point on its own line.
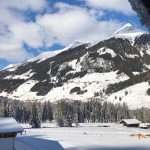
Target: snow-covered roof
8 125
131 121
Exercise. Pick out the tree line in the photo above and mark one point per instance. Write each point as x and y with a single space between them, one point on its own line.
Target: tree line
66 112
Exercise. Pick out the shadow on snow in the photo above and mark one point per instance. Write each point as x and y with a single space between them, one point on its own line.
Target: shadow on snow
32 143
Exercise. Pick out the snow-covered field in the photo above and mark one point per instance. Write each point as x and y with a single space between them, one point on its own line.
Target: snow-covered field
84 137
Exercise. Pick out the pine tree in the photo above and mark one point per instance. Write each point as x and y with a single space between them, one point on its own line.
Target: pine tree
35 118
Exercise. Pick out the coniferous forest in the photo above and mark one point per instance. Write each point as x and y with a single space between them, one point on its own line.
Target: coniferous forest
66 112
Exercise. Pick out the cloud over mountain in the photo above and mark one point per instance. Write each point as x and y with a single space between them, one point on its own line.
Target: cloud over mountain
49 23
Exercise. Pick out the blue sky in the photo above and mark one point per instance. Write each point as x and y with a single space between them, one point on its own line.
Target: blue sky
30 27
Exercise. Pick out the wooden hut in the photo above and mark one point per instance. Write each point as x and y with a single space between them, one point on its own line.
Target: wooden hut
130 122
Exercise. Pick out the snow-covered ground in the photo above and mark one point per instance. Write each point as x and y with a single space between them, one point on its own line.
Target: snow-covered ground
84 137
136 96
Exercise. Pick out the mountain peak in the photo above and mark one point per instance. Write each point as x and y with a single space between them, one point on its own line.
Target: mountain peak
127 28
128 31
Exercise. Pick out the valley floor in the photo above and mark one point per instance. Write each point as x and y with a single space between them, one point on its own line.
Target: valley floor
84 137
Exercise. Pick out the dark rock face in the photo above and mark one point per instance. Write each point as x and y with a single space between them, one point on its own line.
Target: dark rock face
42 88
114 54
77 90
10 85
142 40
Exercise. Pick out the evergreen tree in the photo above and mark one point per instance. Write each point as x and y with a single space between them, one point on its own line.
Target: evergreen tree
35 118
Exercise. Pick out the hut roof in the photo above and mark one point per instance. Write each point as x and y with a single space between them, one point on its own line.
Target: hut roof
131 121
9 125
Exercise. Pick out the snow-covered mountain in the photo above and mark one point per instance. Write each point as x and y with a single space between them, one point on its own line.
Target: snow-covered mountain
128 31
127 28
115 70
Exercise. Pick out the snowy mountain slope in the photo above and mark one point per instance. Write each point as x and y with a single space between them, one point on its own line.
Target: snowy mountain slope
127 28
83 71
135 96
48 54
128 31
11 67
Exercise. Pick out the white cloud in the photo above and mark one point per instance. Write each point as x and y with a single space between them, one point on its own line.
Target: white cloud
122 6
14 31
35 5
8 7
69 23
12 51
30 33
72 23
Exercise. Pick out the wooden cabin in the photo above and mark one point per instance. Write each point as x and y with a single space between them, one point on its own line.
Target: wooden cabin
130 122
8 132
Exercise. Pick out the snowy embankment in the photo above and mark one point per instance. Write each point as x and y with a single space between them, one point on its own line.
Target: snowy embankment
84 137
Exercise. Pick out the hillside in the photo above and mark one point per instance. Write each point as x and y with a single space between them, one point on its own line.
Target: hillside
115 70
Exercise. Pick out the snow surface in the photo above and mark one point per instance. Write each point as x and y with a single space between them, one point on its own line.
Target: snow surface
11 67
128 31
25 75
104 50
92 82
132 56
127 28
136 96
85 137
129 36
23 92
45 55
